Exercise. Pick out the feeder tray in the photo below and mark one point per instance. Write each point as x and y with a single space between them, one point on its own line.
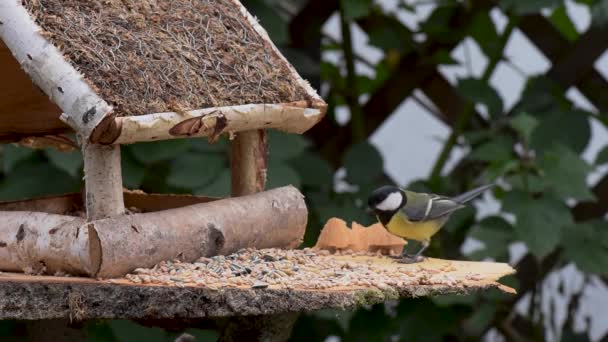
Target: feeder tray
47 297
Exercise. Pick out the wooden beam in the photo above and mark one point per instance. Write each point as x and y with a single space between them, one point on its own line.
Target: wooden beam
249 151
47 297
112 247
294 117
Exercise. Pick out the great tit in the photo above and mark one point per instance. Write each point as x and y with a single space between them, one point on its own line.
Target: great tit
416 216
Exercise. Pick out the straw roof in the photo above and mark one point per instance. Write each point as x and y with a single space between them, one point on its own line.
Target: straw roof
150 56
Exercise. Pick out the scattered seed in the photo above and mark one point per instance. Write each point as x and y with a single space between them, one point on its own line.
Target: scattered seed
297 269
259 285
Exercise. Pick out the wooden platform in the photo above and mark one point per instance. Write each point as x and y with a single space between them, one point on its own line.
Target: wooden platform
46 297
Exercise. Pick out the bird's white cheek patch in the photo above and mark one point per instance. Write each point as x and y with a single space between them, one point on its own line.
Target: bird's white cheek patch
391 202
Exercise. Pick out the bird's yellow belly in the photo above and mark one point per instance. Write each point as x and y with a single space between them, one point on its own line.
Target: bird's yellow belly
419 231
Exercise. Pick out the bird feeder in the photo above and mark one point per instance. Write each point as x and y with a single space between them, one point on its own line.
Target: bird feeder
118 72
121 72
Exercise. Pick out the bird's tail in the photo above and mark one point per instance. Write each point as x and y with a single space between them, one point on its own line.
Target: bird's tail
469 195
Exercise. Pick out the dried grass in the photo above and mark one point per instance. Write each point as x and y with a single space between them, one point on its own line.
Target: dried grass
149 56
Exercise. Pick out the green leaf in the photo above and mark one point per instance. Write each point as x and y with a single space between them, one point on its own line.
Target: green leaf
281 174
127 331
562 22
481 92
566 173
499 148
483 31
387 32
313 170
587 245
496 234
202 145
461 220
132 170
270 19
354 9
13 154
499 168
527 182
220 187
284 146
192 170
524 124
363 163
599 14
31 179
539 220
541 95
70 162
529 6
481 318
439 25
99 331
444 57
570 128
602 156
153 152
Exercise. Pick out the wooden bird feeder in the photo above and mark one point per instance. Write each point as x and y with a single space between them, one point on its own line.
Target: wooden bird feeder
117 73
120 72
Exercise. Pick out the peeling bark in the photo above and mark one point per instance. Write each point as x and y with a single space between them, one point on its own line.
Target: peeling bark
294 117
249 157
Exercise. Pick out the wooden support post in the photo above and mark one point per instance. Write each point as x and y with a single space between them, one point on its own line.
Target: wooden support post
103 181
248 162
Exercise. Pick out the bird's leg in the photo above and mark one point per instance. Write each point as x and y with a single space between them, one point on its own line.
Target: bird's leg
411 259
404 254
425 245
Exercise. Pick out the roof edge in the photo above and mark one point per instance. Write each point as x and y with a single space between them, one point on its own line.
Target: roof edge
262 32
44 63
294 117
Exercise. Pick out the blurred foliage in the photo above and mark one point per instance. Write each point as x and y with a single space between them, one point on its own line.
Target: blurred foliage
533 151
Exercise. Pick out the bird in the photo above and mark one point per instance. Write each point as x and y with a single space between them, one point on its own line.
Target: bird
414 215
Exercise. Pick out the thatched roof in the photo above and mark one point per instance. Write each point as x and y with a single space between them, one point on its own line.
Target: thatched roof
124 60
165 55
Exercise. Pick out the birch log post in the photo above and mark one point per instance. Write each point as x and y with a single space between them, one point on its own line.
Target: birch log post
248 162
114 246
103 181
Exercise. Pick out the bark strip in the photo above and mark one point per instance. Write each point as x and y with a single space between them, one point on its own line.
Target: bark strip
294 117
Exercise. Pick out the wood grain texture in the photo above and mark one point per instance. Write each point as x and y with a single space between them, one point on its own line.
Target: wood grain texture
24 109
112 247
40 297
249 159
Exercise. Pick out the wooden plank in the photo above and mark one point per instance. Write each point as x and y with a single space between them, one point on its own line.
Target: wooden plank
46 297
24 109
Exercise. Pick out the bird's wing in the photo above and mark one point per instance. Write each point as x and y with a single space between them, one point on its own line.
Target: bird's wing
424 207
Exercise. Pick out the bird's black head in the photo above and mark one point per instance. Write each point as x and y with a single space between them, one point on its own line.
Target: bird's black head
385 201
